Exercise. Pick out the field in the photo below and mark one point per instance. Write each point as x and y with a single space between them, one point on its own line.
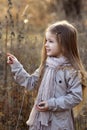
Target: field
22 30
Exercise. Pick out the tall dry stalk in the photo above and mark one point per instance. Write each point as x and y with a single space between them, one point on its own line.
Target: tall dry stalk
5 64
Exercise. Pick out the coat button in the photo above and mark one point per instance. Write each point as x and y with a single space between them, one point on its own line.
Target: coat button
60 81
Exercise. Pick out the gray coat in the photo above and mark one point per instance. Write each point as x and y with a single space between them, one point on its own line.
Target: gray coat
67 95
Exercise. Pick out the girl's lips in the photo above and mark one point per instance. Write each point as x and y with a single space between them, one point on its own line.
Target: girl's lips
47 50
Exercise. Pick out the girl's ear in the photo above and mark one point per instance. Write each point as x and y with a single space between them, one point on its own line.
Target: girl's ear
59 38
59 42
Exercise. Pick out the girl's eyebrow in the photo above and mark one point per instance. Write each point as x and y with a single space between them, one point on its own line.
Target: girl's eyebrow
49 39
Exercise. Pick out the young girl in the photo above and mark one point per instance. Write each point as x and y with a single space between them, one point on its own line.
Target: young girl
59 79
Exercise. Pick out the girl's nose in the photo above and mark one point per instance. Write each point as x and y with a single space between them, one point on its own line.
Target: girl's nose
46 44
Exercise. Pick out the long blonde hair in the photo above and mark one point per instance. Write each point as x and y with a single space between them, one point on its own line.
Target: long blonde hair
66 35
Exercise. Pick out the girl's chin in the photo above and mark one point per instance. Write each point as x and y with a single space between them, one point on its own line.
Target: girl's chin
49 55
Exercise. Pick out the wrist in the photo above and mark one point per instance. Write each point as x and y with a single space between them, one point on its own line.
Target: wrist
16 65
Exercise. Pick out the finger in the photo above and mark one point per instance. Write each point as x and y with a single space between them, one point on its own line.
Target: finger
8 54
9 60
40 108
41 104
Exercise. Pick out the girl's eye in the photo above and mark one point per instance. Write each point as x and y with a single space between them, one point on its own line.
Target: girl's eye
51 41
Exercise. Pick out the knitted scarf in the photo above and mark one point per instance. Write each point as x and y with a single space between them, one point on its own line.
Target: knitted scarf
46 90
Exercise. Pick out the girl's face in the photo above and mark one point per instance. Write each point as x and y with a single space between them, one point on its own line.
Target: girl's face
51 45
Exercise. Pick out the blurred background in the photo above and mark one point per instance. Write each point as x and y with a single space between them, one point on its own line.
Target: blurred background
22 29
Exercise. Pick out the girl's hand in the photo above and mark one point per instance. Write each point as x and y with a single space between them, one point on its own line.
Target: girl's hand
42 106
11 59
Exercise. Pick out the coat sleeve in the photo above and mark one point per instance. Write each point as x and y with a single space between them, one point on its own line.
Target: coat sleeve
73 95
23 78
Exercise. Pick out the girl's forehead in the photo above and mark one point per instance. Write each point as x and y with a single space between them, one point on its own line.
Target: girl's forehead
50 34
